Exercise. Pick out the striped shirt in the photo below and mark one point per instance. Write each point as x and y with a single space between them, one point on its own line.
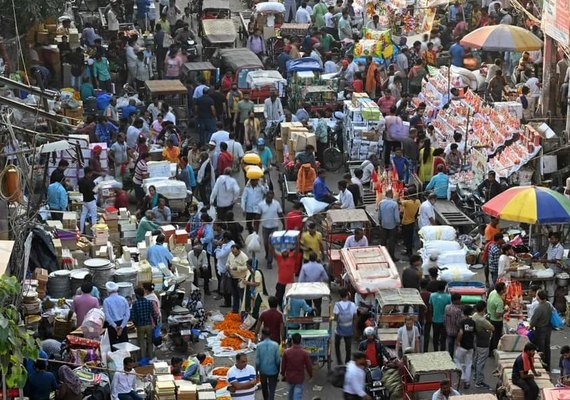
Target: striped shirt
140 171
242 375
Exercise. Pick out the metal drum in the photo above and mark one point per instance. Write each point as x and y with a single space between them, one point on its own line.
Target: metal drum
126 289
102 271
59 285
77 277
128 274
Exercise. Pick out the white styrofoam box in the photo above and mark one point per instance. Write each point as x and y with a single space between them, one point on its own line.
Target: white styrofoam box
54 224
169 188
126 227
128 234
160 169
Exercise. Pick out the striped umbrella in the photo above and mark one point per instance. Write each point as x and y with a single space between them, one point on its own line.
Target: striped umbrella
502 37
531 205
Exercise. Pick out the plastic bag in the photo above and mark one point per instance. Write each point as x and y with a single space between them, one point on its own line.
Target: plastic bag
456 273
439 232
156 336
253 243
212 213
441 246
555 320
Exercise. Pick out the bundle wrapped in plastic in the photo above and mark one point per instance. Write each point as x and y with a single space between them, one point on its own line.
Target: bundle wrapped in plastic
456 273
92 325
437 232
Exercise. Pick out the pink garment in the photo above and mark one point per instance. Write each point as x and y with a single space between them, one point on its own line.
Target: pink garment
82 304
173 66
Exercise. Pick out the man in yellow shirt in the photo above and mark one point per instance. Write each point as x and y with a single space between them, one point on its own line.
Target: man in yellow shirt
410 207
312 241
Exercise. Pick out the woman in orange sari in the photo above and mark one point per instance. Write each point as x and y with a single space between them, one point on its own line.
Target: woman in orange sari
370 87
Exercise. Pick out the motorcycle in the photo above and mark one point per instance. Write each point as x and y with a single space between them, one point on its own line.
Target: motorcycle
374 386
191 49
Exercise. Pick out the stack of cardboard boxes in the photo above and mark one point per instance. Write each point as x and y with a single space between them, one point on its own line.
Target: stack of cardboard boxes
111 219
294 138
127 228
363 127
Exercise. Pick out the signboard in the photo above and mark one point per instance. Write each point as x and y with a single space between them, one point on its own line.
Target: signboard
556 20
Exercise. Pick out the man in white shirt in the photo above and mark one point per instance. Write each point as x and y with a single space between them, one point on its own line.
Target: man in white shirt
368 167
355 377
123 385
303 16
235 148
168 114
356 240
329 18
330 66
445 391
242 379
427 212
198 261
271 214
535 88
220 135
224 194
345 197
133 133
272 107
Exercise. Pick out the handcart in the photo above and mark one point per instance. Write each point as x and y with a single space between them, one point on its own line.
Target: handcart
369 269
471 292
337 226
425 371
391 304
263 82
172 92
317 342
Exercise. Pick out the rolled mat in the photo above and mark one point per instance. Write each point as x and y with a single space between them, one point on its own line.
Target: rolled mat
470 299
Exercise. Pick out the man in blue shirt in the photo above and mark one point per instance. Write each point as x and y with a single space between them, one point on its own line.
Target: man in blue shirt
457 52
117 314
41 383
267 362
57 197
320 190
439 183
264 153
158 254
389 217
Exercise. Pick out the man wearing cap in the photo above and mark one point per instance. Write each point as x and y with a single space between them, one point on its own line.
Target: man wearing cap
117 314
224 193
264 153
198 261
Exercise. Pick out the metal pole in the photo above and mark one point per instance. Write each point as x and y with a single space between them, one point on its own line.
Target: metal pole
32 89
466 136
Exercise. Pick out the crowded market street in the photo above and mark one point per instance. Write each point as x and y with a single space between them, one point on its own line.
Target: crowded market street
297 199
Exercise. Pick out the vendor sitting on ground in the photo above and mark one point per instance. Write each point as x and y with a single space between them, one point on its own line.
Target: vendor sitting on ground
197 371
158 253
445 391
146 225
321 192
162 213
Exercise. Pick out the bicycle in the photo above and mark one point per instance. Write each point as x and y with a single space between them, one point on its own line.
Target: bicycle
333 158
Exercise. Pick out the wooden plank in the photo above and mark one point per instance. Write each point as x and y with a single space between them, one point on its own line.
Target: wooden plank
447 213
165 87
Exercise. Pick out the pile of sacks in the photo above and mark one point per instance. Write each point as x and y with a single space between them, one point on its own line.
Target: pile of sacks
441 250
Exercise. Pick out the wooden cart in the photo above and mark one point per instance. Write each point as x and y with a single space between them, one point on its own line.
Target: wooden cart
425 371
172 92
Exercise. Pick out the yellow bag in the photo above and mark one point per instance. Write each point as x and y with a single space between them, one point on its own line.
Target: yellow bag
251 159
253 172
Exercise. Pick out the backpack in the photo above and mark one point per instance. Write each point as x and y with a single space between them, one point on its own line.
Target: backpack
336 376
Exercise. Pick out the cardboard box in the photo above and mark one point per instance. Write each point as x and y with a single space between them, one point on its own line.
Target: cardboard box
278 144
279 157
286 128
356 97
303 139
372 136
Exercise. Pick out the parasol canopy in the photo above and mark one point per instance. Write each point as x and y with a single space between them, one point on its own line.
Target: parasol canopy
531 205
502 37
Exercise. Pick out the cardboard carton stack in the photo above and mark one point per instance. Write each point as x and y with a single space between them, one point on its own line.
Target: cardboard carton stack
185 390
294 138
41 276
111 218
165 387
127 228
100 234
205 392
